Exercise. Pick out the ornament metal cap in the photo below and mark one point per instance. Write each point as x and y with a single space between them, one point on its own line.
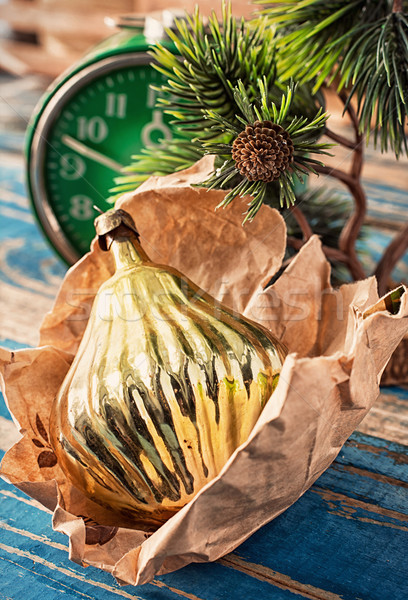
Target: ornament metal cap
114 220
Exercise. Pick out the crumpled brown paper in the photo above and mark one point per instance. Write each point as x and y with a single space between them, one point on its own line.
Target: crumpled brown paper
328 383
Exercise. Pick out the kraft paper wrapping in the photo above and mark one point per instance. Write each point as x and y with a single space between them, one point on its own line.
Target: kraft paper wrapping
338 350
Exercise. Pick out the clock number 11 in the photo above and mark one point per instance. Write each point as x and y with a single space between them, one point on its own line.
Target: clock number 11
116 105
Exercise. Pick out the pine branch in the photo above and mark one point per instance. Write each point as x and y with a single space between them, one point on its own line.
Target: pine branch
225 79
364 43
208 62
178 154
380 82
270 152
211 60
309 29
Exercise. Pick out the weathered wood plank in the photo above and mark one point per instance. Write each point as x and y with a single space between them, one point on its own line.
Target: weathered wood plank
8 433
376 454
389 416
33 545
30 274
4 412
387 492
333 543
219 580
337 543
340 538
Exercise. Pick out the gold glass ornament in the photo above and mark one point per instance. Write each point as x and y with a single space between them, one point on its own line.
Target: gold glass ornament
165 385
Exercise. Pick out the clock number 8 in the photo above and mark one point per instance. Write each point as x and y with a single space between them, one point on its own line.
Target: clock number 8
81 207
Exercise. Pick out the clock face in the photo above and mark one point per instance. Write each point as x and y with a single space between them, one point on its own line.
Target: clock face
86 135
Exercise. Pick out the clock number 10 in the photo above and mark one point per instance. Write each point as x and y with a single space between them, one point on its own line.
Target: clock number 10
93 129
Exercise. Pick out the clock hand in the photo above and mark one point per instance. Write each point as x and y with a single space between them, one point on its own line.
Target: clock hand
90 153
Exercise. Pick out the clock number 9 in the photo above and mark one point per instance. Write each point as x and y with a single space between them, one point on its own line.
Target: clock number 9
81 207
71 167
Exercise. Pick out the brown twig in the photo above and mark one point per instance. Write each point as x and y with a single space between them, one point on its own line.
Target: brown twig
352 180
342 176
302 222
348 237
397 6
389 259
339 139
330 253
351 229
351 112
353 225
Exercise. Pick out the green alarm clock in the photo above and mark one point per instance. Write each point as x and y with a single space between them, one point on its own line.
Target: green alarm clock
85 130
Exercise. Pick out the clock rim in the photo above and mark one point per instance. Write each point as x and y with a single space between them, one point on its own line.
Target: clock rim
38 143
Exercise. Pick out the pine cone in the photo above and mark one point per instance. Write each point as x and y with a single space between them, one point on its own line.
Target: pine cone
262 151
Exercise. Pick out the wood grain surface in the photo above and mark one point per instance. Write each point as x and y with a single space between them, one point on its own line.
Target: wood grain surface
344 539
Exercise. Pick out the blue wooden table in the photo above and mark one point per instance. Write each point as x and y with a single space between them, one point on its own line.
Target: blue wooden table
346 538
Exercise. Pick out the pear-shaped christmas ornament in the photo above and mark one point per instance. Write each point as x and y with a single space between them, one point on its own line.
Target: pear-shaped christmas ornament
166 384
